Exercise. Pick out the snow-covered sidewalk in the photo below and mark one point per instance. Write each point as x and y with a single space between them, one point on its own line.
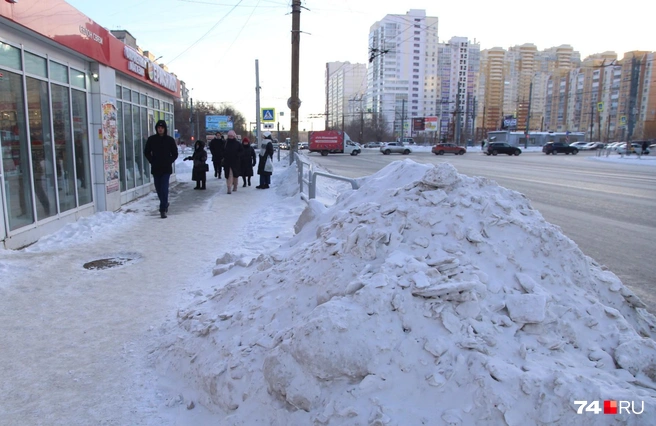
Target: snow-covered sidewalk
73 340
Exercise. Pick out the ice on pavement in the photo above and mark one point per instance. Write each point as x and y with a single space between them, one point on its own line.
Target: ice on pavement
424 297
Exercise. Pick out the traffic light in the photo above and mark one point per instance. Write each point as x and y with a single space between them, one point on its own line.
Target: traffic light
192 138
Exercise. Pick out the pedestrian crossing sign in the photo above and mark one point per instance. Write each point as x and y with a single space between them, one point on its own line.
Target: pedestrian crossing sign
268 114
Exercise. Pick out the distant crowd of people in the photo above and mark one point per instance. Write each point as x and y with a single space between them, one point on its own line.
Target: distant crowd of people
230 158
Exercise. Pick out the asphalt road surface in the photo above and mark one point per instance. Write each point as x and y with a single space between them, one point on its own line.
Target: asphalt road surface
608 209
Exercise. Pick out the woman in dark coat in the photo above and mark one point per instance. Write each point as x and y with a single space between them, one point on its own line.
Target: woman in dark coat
200 167
232 161
266 151
248 160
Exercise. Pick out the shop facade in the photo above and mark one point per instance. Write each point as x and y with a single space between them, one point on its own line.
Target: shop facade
76 107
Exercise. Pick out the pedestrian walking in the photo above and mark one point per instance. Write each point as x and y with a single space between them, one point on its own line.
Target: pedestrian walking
217 145
161 152
266 155
232 161
199 157
644 147
482 144
248 161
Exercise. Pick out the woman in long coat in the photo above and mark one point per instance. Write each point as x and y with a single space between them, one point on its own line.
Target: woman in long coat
248 160
198 173
232 161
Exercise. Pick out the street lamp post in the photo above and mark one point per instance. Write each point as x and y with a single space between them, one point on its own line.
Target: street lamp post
528 114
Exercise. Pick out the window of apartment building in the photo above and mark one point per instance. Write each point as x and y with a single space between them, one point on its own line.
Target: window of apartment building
417 26
415 101
417 39
415 70
415 64
415 108
416 83
415 89
416 58
416 45
415 51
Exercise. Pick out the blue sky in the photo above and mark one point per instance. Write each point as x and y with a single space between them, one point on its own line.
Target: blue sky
212 44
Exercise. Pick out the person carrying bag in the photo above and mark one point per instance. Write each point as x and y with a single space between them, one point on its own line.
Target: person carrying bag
265 166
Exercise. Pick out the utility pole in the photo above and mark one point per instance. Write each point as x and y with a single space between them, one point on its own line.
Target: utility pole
528 114
402 119
191 119
294 103
258 136
474 120
361 121
591 120
457 116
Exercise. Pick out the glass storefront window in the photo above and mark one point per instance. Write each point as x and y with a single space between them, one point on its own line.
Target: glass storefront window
78 79
156 103
61 119
137 143
118 92
15 151
145 133
10 56
58 72
121 143
36 65
151 102
43 165
128 146
126 94
81 141
142 99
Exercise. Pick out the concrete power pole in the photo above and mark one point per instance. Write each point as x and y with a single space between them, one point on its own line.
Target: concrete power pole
633 97
258 136
294 103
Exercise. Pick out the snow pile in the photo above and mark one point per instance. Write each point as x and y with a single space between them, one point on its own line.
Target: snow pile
424 297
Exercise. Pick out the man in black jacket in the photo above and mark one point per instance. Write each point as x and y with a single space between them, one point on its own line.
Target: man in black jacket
217 146
161 152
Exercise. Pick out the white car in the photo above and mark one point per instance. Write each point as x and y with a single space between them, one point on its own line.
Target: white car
395 148
578 145
636 148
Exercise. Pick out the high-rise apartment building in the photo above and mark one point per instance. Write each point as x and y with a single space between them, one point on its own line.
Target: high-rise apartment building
637 105
458 67
402 76
346 85
491 89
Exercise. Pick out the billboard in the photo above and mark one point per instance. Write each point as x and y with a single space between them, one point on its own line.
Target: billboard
509 123
218 123
430 124
418 124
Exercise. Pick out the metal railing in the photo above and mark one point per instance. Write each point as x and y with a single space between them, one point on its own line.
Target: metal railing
311 180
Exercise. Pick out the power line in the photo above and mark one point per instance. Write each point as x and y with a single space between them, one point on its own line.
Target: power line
207 33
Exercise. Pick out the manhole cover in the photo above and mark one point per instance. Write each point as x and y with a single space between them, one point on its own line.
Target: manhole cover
111 262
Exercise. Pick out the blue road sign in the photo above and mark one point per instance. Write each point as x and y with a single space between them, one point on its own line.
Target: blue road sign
268 114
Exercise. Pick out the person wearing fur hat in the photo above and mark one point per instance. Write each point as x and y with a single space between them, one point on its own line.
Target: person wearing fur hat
248 161
161 152
199 158
266 152
232 161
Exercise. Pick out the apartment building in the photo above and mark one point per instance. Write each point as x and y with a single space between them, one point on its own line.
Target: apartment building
491 89
458 67
346 84
637 97
402 77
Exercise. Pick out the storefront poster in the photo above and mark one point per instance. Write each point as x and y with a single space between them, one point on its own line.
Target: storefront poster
110 146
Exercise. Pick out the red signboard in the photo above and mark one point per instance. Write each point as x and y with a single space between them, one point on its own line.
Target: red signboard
69 27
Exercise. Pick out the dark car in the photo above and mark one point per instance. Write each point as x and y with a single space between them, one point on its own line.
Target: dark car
502 148
559 148
452 148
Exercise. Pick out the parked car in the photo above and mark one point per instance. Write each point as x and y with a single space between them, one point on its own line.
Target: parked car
451 148
395 148
636 148
373 145
303 145
495 148
578 145
559 147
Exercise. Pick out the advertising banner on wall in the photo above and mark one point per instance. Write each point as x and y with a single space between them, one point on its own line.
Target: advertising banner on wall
218 123
110 146
418 124
430 124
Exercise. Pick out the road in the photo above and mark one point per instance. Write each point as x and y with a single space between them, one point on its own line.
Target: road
608 209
